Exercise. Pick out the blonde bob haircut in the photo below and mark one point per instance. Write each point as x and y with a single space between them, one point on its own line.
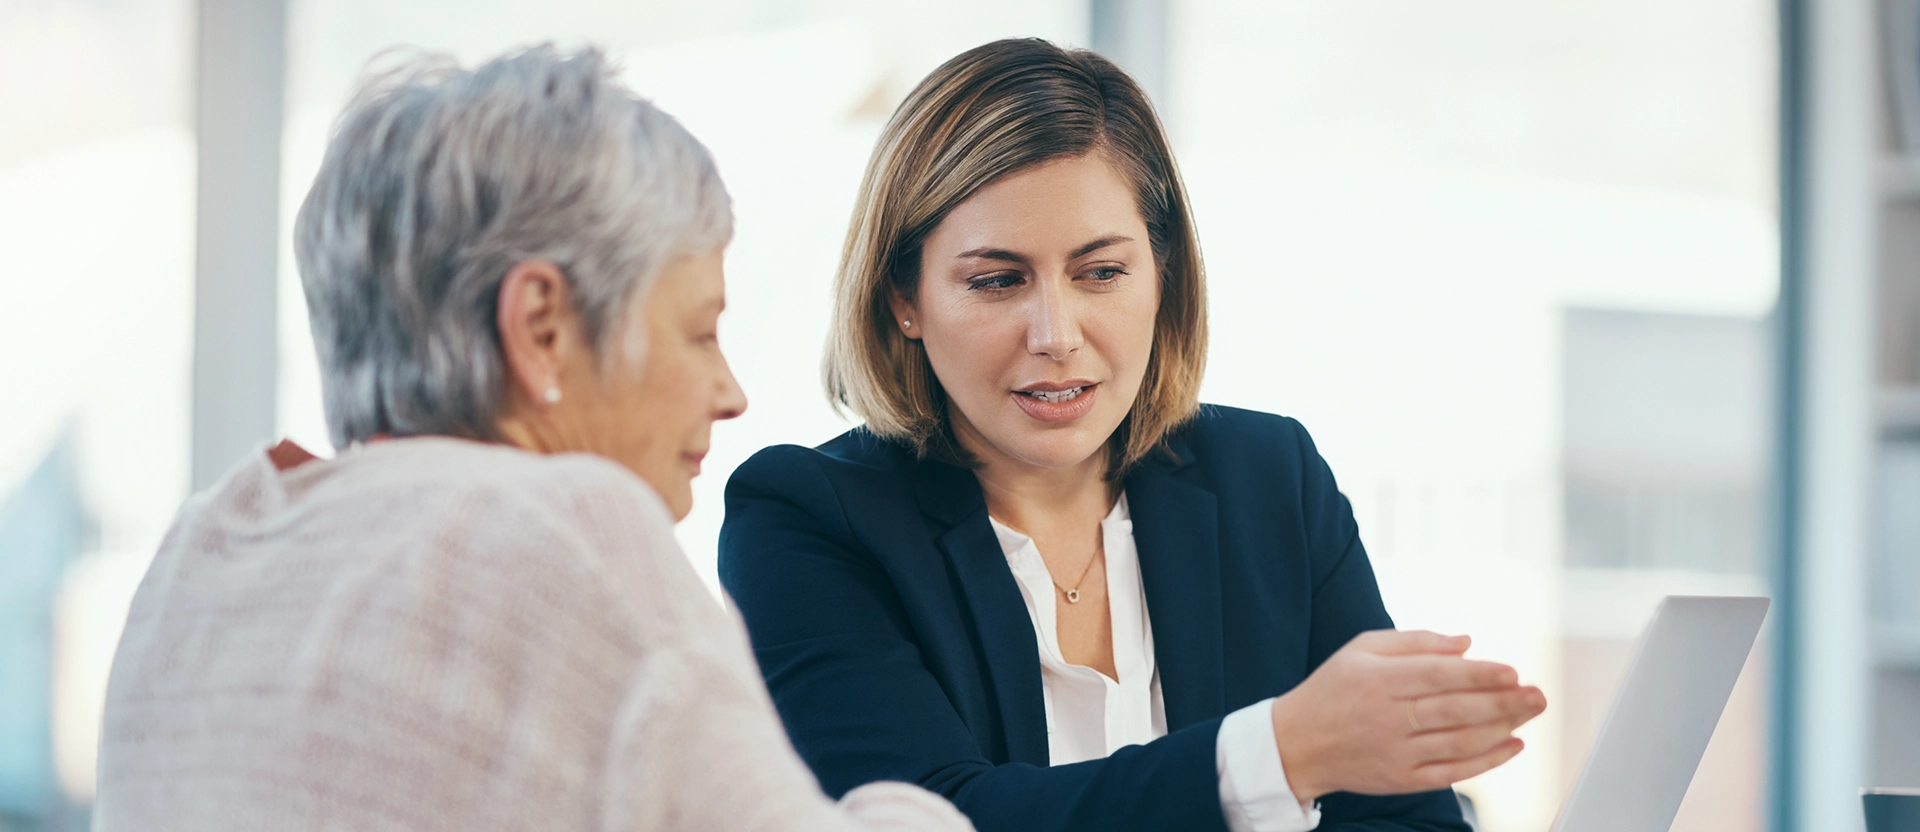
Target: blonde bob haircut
992 111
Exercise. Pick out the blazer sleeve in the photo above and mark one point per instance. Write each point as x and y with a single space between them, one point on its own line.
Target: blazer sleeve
1346 602
835 645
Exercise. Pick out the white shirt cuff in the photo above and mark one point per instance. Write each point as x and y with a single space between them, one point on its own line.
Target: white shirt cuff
1253 785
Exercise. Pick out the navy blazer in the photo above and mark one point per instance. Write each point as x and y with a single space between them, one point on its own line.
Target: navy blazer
897 646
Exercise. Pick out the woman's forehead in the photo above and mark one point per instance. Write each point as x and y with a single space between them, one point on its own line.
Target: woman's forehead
1059 205
693 283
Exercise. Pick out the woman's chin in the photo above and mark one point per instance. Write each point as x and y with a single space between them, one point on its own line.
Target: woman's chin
1057 448
1013 436
673 485
679 505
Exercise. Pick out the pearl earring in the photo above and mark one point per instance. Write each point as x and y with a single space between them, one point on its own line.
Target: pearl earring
553 395
907 324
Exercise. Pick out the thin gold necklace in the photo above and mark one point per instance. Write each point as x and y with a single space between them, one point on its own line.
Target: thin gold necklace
1073 595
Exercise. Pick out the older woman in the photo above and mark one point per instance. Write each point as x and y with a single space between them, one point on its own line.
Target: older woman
475 616
1043 580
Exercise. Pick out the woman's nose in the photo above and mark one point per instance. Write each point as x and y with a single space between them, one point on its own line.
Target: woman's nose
1055 328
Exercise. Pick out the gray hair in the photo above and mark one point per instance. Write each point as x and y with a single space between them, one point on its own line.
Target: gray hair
437 180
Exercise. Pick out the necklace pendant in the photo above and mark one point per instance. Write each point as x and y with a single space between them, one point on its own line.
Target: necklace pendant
1073 595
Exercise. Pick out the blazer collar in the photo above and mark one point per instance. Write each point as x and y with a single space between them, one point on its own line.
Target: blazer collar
1177 534
948 494
951 497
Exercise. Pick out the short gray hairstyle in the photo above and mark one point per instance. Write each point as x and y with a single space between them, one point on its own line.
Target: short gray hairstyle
439 179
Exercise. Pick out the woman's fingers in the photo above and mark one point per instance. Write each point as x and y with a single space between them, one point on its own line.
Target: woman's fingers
1400 712
1443 773
1427 675
1410 642
1445 711
1457 744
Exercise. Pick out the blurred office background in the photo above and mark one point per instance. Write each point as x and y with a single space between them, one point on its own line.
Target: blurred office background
1586 302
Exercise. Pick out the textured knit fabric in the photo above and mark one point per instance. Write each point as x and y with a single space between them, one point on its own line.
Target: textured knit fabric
429 634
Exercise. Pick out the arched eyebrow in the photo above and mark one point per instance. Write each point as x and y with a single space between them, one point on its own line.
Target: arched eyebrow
988 253
992 254
1096 245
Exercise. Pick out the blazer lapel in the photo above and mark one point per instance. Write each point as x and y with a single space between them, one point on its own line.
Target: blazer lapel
1007 643
1176 530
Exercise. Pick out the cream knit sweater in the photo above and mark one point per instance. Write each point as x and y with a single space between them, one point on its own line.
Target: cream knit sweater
429 634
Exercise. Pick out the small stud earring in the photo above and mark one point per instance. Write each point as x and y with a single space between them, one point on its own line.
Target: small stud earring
907 324
553 395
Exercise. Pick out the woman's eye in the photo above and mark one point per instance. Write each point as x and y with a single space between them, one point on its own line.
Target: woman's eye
1105 274
997 281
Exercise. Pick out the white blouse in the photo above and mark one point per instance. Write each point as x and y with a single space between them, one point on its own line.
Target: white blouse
1089 716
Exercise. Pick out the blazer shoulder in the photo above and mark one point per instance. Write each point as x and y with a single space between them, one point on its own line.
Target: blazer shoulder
836 484
840 494
1220 434
855 453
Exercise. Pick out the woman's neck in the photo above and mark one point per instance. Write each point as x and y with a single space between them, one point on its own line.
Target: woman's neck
1037 499
1032 499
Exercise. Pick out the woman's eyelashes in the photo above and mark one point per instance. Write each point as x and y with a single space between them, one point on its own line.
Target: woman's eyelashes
1008 280
995 282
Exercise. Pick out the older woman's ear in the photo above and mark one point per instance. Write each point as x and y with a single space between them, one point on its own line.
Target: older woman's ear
538 328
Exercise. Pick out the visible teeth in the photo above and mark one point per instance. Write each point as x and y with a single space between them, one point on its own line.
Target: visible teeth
1061 396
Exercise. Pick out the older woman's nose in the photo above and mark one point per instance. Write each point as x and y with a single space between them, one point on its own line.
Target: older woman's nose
732 400
1054 330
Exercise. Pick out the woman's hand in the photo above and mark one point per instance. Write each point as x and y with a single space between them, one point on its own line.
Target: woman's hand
1400 712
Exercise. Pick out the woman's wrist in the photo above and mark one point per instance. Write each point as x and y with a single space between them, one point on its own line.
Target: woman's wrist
1301 769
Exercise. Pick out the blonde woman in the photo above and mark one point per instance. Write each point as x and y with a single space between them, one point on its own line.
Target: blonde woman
475 617
1043 580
